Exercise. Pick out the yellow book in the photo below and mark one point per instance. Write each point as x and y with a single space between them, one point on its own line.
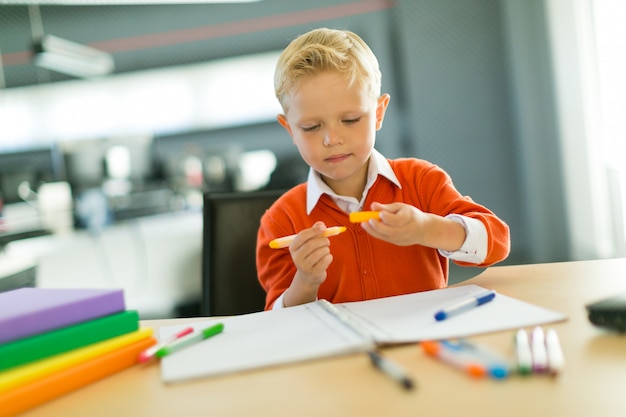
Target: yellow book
26 373
72 378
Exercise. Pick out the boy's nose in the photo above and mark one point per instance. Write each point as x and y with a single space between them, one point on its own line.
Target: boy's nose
331 138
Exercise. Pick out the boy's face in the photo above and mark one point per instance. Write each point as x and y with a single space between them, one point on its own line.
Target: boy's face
334 127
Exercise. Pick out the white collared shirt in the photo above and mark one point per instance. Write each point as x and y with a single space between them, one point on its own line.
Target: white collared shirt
316 186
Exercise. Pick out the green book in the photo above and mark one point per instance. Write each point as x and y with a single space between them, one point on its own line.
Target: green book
51 343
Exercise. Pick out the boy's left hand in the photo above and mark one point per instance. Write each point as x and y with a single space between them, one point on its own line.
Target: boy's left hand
404 225
399 223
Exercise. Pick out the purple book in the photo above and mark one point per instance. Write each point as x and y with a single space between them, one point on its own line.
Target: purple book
29 311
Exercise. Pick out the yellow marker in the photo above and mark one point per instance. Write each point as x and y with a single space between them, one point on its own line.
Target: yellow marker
283 242
363 216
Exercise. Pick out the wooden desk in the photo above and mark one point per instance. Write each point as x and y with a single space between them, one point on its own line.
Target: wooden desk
592 384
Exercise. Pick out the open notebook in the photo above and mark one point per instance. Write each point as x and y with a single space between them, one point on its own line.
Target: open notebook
310 331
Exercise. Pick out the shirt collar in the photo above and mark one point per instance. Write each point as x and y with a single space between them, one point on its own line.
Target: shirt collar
378 165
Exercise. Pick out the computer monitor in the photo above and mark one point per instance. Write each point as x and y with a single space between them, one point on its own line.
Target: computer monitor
34 166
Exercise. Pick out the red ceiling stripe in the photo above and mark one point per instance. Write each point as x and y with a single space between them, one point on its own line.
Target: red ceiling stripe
221 30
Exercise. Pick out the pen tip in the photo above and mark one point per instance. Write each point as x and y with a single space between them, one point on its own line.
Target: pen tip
407 384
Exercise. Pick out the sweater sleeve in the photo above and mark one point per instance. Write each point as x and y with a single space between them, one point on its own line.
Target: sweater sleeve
437 194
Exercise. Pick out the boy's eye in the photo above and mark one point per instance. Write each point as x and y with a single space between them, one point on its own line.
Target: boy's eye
309 128
352 121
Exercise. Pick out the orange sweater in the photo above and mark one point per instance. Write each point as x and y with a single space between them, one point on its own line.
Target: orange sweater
364 267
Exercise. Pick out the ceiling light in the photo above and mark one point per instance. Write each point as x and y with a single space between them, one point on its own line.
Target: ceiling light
71 58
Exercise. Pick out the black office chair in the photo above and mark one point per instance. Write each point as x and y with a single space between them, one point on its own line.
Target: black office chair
229 277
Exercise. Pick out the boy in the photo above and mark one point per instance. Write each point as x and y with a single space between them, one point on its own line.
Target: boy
329 86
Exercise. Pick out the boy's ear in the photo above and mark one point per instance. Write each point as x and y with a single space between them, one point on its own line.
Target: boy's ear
283 122
381 108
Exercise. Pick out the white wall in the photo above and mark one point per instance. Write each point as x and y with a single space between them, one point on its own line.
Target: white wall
587 149
156 260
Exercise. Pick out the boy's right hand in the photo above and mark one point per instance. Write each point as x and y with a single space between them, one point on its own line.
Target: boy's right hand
310 252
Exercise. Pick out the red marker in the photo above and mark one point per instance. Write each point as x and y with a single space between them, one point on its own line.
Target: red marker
149 353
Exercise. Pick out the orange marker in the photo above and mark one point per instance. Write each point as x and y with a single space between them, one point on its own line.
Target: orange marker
283 242
449 354
363 216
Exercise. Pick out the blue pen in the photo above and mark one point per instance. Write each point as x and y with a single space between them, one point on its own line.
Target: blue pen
465 305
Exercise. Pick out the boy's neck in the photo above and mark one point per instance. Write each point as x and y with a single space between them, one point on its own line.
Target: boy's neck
352 186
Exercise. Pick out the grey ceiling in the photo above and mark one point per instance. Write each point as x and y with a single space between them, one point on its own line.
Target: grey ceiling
142 37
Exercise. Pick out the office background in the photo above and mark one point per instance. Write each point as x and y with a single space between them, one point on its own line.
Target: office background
472 86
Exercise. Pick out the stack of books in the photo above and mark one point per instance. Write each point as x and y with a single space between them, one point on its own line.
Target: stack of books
54 341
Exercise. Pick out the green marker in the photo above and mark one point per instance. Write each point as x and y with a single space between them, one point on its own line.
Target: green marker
523 352
189 340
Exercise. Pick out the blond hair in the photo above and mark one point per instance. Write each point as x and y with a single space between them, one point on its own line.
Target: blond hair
323 50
